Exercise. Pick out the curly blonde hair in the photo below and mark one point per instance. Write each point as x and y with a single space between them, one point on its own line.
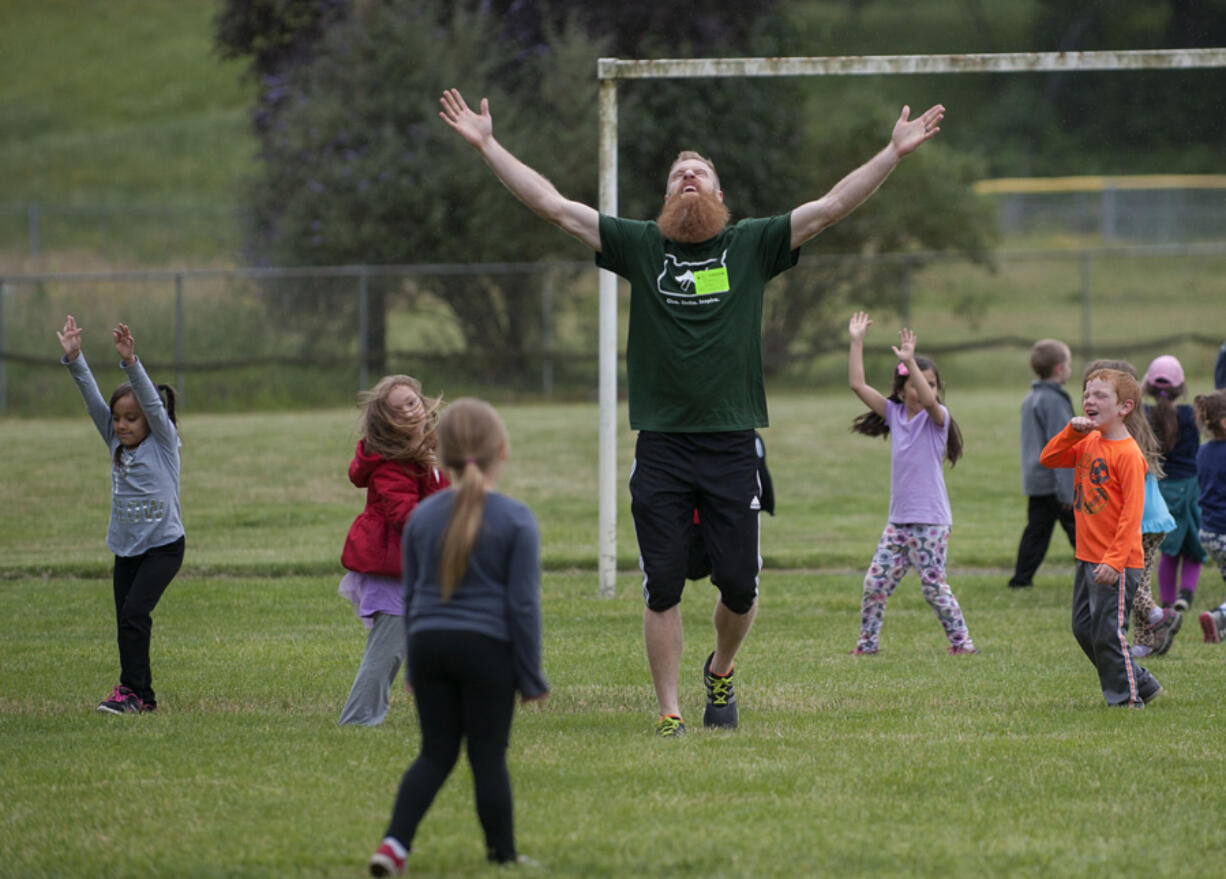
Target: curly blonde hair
388 433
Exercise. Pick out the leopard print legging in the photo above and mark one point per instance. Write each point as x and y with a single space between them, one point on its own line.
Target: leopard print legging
1143 603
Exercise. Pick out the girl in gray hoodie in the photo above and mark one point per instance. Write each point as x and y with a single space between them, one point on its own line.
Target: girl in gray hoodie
146 529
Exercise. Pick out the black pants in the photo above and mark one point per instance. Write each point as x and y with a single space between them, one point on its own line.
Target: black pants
139 582
464 688
1100 625
1042 513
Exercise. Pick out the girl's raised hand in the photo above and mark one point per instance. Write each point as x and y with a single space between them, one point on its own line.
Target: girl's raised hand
905 349
125 344
70 338
858 326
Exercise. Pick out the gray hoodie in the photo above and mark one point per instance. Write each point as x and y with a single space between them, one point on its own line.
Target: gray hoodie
1045 412
144 480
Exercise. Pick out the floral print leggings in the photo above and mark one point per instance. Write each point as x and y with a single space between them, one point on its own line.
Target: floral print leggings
901 547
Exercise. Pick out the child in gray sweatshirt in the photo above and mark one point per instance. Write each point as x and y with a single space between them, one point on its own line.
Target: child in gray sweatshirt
1045 412
146 528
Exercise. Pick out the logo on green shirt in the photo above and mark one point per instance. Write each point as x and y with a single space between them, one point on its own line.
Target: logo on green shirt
690 281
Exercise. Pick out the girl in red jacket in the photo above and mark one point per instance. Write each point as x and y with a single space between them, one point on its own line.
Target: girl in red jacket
396 462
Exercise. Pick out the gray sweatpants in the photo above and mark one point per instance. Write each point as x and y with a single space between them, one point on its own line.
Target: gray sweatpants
385 648
1100 624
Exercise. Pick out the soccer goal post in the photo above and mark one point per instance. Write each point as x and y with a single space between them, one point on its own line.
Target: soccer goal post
610 70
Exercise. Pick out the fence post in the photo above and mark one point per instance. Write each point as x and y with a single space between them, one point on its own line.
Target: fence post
547 332
4 383
33 229
1086 345
179 377
363 333
908 265
1108 209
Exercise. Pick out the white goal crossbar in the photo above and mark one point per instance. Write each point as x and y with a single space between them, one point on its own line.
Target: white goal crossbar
610 70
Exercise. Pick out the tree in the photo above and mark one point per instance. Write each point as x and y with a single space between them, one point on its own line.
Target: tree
925 205
278 36
359 169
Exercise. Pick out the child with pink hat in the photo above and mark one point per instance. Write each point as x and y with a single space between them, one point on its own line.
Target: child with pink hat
1175 426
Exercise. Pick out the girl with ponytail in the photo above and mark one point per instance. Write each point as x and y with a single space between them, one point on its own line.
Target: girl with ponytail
1174 425
473 621
145 533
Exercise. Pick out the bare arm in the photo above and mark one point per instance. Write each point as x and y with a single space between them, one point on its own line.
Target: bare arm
529 186
905 352
854 189
870 396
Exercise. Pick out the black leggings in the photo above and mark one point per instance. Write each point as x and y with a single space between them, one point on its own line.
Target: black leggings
464 688
139 582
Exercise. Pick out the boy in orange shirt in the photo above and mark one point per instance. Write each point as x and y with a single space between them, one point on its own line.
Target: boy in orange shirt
1108 499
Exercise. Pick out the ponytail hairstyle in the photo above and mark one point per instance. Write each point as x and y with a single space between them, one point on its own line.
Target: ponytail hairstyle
165 392
1140 429
1210 410
1164 382
872 424
386 431
471 441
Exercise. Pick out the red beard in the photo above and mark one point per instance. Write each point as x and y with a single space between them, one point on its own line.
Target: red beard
692 218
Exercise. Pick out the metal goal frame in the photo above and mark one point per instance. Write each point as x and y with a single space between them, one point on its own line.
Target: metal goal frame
610 70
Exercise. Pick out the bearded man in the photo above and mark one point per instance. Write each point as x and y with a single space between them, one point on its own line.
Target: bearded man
694 370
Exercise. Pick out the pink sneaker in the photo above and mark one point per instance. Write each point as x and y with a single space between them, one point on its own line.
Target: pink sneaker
864 651
960 649
123 701
385 861
1210 627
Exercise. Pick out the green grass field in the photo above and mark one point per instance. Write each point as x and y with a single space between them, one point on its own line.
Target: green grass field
911 763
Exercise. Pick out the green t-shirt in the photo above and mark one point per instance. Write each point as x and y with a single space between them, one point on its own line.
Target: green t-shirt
694 353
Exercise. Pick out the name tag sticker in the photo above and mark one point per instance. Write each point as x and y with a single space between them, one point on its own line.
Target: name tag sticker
711 281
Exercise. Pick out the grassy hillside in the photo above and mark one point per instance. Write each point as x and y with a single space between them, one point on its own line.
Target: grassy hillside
118 101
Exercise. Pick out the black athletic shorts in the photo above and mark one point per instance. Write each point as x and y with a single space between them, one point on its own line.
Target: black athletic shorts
715 474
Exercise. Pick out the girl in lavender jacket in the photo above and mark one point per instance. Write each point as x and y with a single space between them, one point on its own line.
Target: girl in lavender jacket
921 433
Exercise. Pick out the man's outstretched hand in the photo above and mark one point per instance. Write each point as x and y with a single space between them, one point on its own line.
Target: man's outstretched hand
475 128
910 133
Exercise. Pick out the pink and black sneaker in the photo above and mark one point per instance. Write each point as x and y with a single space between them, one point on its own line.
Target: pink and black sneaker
122 701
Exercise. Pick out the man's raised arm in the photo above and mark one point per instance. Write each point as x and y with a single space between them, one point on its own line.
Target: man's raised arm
854 189
529 186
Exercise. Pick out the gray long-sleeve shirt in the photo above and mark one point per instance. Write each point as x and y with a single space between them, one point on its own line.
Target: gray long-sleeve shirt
499 594
145 480
1045 412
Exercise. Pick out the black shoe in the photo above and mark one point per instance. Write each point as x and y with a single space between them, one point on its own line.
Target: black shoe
1184 601
721 698
1013 584
670 726
122 701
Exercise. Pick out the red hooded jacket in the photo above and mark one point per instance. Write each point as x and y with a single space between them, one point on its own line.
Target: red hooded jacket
392 491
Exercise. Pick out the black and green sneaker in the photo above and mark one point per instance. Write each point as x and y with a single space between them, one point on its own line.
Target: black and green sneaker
670 726
721 698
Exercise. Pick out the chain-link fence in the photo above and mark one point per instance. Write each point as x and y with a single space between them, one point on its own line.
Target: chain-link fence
254 338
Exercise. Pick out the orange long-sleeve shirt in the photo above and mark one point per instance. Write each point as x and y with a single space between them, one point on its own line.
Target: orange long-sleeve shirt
1108 495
